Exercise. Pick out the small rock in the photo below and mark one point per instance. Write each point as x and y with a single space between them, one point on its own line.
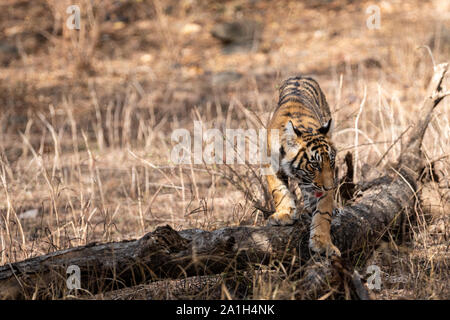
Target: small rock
29 214
319 34
237 31
119 25
372 63
191 28
237 35
8 49
146 58
8 53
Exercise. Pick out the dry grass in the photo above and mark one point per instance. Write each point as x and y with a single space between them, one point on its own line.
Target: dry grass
87 118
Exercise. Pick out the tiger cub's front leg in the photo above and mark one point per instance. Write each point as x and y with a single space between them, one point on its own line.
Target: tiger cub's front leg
320 238
285 210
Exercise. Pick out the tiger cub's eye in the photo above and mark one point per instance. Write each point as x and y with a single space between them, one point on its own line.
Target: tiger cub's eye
315 165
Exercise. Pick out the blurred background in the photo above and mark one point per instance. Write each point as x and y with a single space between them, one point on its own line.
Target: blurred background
87 114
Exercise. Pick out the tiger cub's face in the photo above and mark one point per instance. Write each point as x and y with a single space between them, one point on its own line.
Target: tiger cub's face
308 155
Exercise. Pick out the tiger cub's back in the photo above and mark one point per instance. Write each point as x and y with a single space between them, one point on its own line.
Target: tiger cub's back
302 101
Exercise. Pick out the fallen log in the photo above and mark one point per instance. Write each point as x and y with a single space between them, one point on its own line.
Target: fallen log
166 253
198 288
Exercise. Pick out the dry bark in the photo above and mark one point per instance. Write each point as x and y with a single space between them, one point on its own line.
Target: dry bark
165 253
198 287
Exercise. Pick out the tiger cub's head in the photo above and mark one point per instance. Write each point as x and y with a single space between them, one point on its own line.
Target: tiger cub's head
309 156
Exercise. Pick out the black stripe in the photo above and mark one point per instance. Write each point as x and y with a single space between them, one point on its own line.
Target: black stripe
296 156
290 99
312 93
317 140
282 152
302 160
308 84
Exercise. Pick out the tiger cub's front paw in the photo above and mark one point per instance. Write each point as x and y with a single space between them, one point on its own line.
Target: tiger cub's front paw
323 245
283 217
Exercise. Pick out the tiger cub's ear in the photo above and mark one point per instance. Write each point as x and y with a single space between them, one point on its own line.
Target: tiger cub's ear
291 130
291 133
325 129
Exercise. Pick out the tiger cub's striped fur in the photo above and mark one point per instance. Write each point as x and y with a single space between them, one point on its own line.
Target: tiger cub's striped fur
306 155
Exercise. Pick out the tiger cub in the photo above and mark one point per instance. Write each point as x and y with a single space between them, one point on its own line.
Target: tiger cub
307 155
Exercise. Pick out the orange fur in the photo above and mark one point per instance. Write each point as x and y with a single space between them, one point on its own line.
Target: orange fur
306 155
